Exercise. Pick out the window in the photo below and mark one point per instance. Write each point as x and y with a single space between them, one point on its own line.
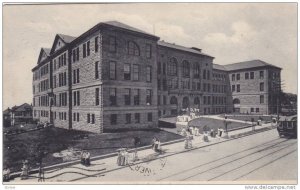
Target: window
136 97
261 74
62 99
257 110
164 100
148 50
127 75
54 81
148 74
113 119
96 70
149 117
158 84
233 77
246 76
128 118
112 70
148 97
158 99
112 44
261 86
196 70
159 68
204 74
233 88
238 76
93 119
88 48
76 98
96 44
88 118
127 96
77 116
133 49
164 68
186 69
172 67
97 97
84 50
251 75
112 96
76 76
261 99
136 72
238 88
252 109
137 117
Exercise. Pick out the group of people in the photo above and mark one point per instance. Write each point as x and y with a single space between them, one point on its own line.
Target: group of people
122 159
156 145
85 158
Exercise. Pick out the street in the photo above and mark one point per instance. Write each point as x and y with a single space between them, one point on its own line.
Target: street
255 158
260 157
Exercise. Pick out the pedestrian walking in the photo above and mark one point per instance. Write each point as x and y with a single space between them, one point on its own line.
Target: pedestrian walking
41 173
87 161
119 158
196 131
25 170
205 137
6 174
153 142
136 142
82 157
220 131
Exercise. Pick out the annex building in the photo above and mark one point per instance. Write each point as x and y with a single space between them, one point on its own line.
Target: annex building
117 76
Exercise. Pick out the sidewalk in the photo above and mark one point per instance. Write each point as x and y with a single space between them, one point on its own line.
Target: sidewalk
98 168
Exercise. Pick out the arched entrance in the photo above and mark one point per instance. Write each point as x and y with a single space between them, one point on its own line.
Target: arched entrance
174 105
236 105
185 103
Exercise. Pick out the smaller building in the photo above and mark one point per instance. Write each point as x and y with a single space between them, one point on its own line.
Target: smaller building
19 114
6 118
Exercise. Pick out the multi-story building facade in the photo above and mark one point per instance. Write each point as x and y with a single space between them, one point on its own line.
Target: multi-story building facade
255 87
117 76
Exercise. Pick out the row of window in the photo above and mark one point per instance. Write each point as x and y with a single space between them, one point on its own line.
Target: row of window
238 87
43 85
248 75
127 72
43 100
62 61
128 118
127 96
172 69
219 88
219 77
214 100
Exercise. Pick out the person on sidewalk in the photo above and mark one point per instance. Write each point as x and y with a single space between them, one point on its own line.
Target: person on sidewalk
6 174
205 136
25 170
87 161
220 131
196 131
136 142
41 173
153 142
82 155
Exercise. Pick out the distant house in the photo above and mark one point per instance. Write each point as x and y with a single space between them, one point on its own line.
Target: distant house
6 117
19 114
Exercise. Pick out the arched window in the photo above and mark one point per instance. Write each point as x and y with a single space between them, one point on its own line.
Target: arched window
196 101
185 102
236 101
186 68
172 66
133 48
173 100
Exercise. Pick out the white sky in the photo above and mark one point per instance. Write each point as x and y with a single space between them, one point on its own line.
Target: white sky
229 32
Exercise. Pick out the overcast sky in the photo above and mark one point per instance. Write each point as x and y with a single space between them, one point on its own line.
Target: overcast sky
229 32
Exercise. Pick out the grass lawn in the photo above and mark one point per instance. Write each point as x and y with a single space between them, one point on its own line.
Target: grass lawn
214 124
53 140
18 127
